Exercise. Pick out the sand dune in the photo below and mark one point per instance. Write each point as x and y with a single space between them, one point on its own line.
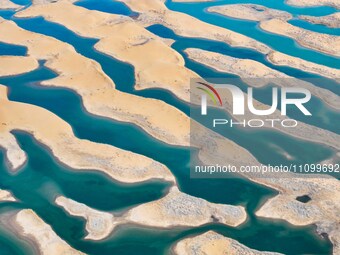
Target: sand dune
331 20
14 65
253 12
175 209
212 243
121 165
29 225
328 44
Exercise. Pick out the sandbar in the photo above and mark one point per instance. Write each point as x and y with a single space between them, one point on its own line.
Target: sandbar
253 12
331 20
325 43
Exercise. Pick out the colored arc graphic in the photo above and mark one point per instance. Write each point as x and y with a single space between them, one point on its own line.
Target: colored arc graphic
211 88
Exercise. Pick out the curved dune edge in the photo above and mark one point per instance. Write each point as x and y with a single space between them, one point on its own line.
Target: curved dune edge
253 12
250 71
120 165
323 209
192 1
212 243
6 196
175 209
14 65
315 3
325 43
29 225
331 20
7 4
99 95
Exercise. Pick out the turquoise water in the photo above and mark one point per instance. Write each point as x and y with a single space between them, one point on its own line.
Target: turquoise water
45 177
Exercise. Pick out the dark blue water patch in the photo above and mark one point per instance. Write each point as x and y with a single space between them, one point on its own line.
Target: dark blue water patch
7 14
106 6
323 116
11 49
315 27
249 28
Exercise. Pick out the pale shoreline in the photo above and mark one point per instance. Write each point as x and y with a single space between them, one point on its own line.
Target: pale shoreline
14 65
215 244
314 3
8 5
6 196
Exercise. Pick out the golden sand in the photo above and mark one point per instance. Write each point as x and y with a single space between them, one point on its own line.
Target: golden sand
325 43
99 95
212 243
121 165
253 12
35 229
14 65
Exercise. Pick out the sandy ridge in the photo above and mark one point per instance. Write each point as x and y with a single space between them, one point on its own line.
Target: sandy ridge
6 196
325 43
212 243
253 12
174 209
14 154
310 3
331 20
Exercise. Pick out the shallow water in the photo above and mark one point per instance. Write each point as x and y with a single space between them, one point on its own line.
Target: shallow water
45 177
